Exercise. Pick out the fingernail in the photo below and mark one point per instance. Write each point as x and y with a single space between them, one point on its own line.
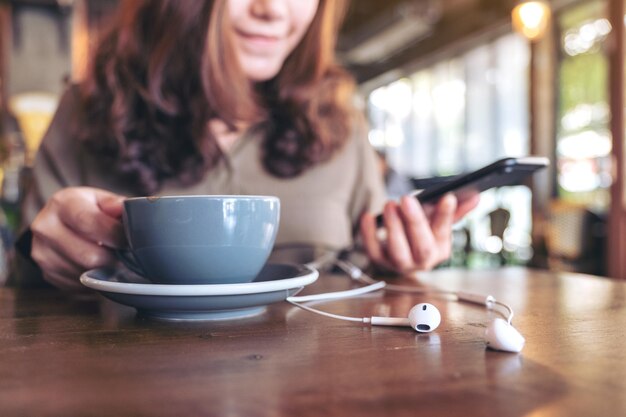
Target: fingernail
449 202
410 204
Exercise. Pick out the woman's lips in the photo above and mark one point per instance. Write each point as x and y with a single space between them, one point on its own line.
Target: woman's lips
258 42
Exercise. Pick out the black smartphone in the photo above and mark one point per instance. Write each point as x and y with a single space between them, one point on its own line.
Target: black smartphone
507 171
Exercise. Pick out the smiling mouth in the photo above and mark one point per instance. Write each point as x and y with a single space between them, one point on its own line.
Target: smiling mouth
258 43
258 37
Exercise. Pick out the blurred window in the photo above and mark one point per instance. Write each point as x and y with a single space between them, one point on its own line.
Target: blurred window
458 115
583 137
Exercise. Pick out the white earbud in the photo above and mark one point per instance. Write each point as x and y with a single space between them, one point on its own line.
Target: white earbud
500 335
423 318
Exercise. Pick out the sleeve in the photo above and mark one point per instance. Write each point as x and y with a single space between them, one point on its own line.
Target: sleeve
56 166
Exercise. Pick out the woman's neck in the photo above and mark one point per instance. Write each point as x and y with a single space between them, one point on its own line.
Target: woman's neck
225 137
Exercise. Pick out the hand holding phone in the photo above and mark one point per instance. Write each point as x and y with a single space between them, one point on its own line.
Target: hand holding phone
507 171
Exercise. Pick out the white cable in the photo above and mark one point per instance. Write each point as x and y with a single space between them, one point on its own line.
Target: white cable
489 301
334 296
339 294
323 313
322 261
357 274
375 286
509 318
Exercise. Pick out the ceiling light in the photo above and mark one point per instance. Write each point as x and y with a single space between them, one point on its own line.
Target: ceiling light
531 17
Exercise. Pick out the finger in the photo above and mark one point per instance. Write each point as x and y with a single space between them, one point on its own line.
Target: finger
110 204
83 253
56 270
50 260
398 248
442 224
92 255
88 221
419 234
429 209
465 206
373 246
63 282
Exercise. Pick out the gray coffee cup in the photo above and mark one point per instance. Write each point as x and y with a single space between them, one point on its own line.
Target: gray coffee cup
200 239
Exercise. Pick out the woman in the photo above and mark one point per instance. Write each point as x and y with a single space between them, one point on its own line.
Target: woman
219 97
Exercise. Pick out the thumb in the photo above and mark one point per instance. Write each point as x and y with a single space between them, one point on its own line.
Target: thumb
466 205
110 203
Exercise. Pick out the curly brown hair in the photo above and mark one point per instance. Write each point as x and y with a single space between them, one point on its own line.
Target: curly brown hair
164 70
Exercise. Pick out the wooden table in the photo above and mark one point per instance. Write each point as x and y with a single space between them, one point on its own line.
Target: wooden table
65 357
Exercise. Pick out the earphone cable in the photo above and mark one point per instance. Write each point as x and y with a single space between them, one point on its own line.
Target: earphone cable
509 316
358 274
377 285
497 336
296 301
324 313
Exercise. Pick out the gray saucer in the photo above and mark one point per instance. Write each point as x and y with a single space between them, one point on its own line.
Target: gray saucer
201 302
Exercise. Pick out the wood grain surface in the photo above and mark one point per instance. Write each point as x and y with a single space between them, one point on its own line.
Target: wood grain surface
62 356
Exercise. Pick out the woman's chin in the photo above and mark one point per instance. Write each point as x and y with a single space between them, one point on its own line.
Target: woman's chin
259 72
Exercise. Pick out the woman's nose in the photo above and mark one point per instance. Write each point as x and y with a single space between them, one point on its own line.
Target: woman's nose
268 9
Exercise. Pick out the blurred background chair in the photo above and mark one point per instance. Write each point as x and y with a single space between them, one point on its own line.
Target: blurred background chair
576 239
499 221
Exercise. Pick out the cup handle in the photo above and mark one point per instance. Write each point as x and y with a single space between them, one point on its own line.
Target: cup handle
129 260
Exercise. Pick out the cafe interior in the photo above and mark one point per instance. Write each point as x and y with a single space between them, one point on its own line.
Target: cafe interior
447 86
